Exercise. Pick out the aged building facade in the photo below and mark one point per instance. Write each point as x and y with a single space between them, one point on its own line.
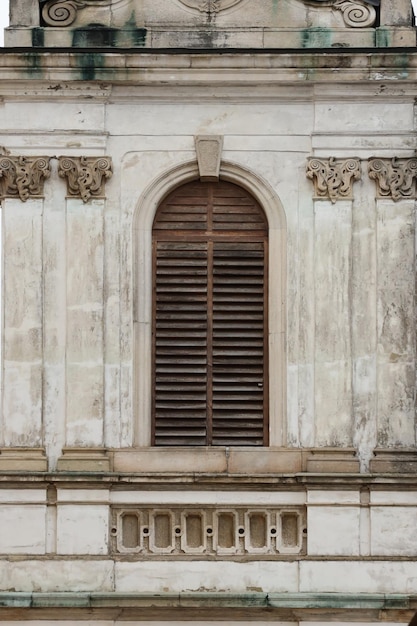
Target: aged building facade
208 312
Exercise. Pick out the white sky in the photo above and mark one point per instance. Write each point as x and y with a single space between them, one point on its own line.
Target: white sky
4 15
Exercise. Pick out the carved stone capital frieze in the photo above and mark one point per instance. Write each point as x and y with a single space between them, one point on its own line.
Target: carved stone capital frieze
23 177
395 178
85 176
333 178
209 6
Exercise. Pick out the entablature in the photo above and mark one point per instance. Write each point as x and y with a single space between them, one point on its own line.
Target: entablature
110 76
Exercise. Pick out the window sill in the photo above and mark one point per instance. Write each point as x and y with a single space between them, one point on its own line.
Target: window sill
233 461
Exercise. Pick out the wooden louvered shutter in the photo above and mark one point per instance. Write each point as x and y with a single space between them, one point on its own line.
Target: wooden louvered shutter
210 346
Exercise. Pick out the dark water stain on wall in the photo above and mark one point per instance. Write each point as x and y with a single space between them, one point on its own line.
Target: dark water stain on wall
99 36
38 37
317 37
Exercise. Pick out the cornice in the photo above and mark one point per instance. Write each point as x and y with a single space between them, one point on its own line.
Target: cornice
68 73
207 482
210 606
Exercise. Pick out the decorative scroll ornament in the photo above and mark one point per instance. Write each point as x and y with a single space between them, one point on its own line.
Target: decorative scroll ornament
333 178
86 176
23 177
64 12
209 6
356 14
395 178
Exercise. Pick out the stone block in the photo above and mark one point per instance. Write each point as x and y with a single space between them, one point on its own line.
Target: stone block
220 498
394 531
82 529
23 460
333 496
331 460
394 461
170 460
56 575
359 117
156 577
393 497
24 13
333 531
84 460
22 529
396 13
396 37
264 461
83 496
342 576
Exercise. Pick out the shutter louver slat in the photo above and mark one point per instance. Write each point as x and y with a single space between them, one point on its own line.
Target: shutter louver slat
180 347
238 411
209 319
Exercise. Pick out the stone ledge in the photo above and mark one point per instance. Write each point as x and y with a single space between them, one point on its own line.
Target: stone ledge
331 460
84 460
207 607
391 461
218 68
209 599
235 461
23 460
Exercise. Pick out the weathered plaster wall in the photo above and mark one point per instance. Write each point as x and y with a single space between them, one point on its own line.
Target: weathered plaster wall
71 362
69 341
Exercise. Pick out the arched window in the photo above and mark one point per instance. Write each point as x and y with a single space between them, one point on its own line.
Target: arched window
210 338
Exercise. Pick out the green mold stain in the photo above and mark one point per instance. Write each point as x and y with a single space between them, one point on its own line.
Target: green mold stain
403 62
34 64
38 37
318 37
89 63
99 36
94 36
130 35
275 5
382 37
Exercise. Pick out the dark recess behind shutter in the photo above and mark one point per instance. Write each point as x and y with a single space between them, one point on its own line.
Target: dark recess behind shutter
210 348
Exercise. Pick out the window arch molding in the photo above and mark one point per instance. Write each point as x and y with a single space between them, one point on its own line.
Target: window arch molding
145 212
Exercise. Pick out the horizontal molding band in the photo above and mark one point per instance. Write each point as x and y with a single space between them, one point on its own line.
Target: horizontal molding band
329 601
242 66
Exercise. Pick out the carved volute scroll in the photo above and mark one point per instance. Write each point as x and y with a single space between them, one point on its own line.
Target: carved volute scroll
64 12
333 178
356 14
23 177
395 178
85 176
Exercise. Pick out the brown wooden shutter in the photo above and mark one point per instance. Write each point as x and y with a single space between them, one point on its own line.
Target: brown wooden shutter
210 345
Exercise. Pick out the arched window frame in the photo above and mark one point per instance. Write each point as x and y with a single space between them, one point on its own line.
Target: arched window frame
143 282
